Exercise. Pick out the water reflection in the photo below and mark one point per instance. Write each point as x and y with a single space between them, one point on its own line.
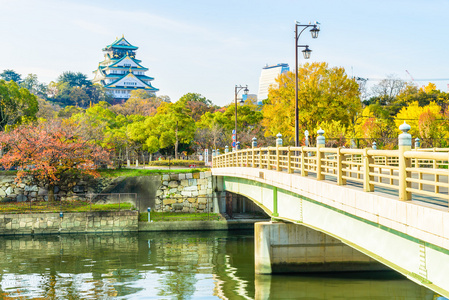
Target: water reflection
187 265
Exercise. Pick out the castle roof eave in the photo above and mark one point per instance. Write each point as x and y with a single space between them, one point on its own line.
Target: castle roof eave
112 84
150 88
115 45
127 56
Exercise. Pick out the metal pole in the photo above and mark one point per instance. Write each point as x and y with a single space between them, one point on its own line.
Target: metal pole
296 88
235 100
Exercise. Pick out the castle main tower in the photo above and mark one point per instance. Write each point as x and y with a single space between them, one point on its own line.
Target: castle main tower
120 72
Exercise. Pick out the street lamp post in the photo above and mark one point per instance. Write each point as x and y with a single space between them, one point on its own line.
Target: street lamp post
306 52
238 88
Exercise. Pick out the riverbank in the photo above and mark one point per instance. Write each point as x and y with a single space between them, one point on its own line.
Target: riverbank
242 224
106 222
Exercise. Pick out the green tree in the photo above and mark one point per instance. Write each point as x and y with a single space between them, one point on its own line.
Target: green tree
34 86
9 75
176 124
74 79
16 104
324 94
171 126
75 89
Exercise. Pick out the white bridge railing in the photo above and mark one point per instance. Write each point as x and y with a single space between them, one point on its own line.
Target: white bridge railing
411 172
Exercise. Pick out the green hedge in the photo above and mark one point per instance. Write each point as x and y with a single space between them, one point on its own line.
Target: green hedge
124 172
177 162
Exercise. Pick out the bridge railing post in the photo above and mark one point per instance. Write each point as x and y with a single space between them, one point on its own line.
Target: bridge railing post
367 178
340 156
289 161
268 158
320 143
278 144
303 163
405 144
253 146
437 176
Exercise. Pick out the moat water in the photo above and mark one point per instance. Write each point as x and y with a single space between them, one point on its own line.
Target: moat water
183 265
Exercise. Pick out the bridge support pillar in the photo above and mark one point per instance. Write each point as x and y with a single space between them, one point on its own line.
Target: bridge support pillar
292 248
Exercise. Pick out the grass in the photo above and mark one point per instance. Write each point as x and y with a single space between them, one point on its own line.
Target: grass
68 206
171 216
144 172
124 172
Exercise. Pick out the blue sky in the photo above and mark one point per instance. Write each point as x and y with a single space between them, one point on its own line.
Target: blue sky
208 47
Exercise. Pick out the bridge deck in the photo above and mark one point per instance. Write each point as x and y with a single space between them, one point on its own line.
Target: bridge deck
439 201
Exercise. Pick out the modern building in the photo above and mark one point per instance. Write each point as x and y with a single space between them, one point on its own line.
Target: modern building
120 72
268 78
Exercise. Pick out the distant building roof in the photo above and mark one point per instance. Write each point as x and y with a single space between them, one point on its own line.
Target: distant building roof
268 77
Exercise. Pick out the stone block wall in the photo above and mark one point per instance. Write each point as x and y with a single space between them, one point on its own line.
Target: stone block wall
181 192
82 222
185 192
74 189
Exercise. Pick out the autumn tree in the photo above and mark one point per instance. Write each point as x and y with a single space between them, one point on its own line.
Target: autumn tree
424 96
140 102
50 152
324 94
16 104
374 124
214 129
198 105
47 110
426 122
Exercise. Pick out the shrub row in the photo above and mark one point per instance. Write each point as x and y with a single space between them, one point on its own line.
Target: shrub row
177 162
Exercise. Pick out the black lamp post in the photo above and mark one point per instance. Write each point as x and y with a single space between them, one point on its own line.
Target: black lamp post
306 52
238 88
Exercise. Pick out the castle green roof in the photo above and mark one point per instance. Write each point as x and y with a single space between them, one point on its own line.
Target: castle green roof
121 43
148 86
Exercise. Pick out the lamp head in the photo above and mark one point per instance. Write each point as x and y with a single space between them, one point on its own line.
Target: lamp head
306 52
314 31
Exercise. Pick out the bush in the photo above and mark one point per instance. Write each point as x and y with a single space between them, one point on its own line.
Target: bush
177 162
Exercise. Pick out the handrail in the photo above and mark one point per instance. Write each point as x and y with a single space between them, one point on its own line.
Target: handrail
426 155
409 172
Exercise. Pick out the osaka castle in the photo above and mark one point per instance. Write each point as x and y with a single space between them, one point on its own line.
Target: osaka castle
120 72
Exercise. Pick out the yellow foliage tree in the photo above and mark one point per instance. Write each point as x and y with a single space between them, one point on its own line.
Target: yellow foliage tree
425 122
324 94
334 131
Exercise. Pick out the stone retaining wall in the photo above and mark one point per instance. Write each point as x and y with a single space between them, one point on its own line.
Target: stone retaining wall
82 222
181 192
73 189
185 192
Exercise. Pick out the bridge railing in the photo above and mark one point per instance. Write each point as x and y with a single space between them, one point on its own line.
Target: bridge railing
419 171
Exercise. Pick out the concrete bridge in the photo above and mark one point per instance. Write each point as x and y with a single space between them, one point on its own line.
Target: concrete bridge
337 209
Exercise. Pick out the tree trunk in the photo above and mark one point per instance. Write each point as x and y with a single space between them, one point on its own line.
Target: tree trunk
51 193
120 158
176 144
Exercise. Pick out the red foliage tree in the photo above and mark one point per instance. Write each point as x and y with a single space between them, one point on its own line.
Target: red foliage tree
50 152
